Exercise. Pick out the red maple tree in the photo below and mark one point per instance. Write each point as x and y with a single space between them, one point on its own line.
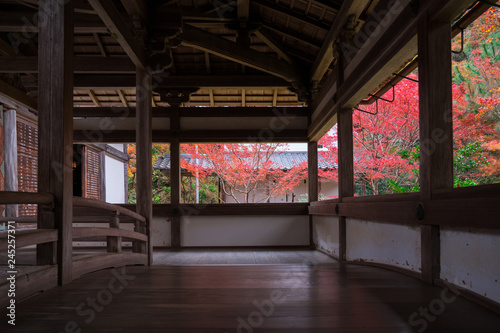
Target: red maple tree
246 172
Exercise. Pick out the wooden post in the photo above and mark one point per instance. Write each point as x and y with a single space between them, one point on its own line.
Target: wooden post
436 129
144 187
312 170
175 177
10 158
312 180
346 170
55 128
102 178
114 243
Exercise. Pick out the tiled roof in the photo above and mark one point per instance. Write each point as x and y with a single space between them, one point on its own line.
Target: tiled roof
284 160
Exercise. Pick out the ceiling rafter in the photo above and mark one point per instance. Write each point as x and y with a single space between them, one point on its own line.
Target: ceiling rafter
112 18
279 8
202 40
325 55
275 45
99 44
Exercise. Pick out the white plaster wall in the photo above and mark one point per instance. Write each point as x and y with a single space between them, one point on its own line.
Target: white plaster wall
384 243
329 189
244 230
160 232
115 180
326 234
471 260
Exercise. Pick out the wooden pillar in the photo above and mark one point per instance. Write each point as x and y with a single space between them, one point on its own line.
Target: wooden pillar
114 242
175 182
10 157
312 170
144 141
55 128
312 180
346 170
436 129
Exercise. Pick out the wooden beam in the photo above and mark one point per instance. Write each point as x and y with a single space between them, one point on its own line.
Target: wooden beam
136 7
122 98
99 44
14 97
272 6
195 136
211 95
300 37
82 64
436 128
243 97
325 55
127 82
202 40
21 22
111 17
207 62
244 10
144 143
94 99
55 130
275 45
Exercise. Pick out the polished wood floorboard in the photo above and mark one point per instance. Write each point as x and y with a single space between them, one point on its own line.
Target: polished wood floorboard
206 298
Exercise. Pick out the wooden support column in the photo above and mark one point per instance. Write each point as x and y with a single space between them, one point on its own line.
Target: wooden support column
10 157
312 180
144 141
175 181
436 129
55 128
346 170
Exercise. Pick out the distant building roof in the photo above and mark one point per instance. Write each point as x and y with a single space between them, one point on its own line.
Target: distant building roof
282 160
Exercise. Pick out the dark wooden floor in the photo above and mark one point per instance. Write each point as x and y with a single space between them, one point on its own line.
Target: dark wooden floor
321 297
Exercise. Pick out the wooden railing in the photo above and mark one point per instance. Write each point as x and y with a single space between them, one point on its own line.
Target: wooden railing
113 234
29 279
474 207
32 279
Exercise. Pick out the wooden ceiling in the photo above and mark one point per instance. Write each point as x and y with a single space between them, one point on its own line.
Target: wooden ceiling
218 52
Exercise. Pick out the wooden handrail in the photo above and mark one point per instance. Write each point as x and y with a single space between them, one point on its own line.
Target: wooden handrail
85 232
90 203
14 198
29 237
19 219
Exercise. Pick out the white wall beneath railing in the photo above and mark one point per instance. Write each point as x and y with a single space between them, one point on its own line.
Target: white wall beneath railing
326 234
390 244
470 259
245 231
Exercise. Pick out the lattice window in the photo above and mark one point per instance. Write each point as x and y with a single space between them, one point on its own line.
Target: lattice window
92 189
27 162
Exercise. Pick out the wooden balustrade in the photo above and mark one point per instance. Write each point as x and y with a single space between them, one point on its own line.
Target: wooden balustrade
474 207
45 275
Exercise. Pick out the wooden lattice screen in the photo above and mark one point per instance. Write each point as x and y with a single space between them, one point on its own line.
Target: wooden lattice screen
92 167
27 162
